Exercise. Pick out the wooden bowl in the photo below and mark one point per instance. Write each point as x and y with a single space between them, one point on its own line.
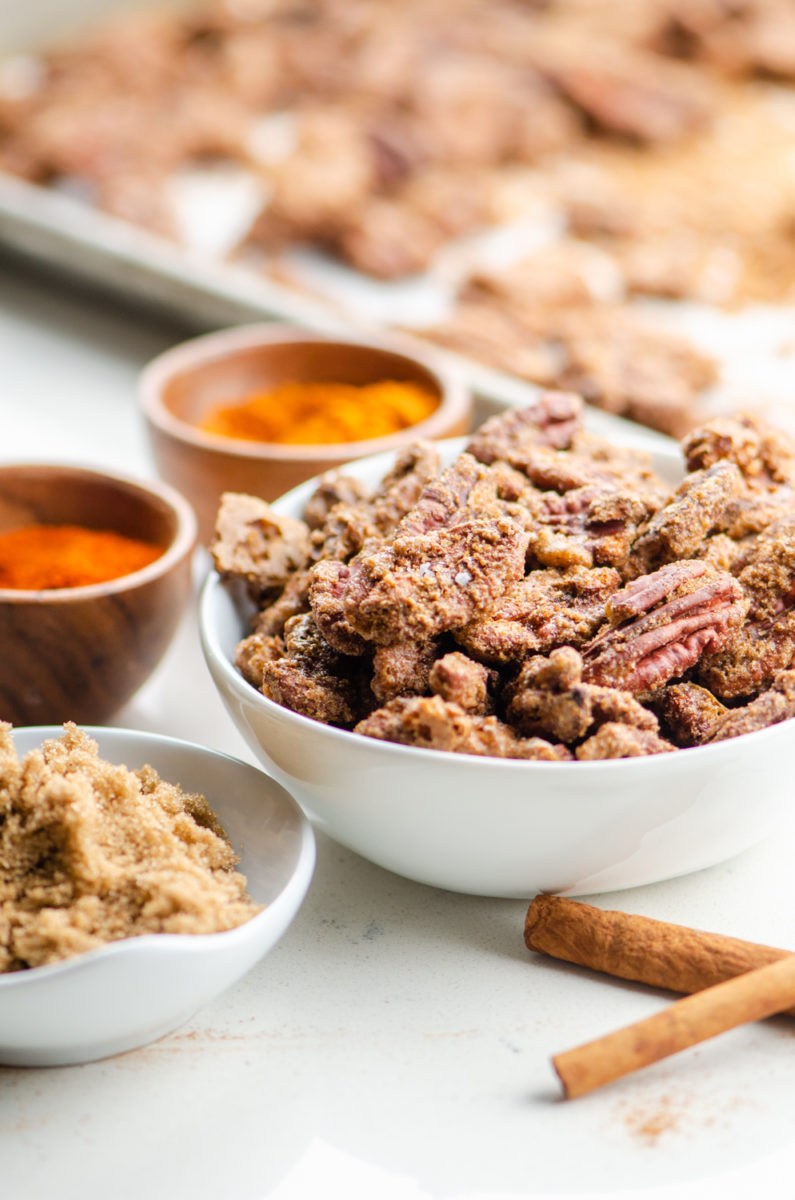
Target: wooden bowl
78 654
180 386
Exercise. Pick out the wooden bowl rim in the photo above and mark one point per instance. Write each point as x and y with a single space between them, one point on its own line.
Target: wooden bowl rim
181 544
454 403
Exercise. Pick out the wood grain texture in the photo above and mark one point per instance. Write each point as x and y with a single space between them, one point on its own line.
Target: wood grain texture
78 654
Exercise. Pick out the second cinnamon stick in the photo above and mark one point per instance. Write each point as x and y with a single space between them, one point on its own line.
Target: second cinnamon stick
640 949
748 997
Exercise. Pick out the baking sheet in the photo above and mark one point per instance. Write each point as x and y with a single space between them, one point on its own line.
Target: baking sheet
754 347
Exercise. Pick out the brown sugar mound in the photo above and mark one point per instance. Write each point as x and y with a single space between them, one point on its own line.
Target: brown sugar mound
91 852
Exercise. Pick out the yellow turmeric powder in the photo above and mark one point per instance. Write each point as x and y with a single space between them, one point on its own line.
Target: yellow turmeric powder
316 413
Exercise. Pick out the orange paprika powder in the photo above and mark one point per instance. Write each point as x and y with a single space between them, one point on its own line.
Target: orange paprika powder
42 557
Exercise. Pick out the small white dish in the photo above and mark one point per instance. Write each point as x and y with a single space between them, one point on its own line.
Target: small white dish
498 827
134 991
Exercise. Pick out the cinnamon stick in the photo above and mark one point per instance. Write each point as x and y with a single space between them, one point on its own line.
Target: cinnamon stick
638 948
749 997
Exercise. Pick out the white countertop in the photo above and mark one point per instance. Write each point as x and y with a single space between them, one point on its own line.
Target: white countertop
395 1045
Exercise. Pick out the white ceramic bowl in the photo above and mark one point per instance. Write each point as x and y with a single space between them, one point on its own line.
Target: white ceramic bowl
497 827
133 991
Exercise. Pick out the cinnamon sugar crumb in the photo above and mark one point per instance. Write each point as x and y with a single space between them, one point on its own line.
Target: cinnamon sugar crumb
91 852
649 1124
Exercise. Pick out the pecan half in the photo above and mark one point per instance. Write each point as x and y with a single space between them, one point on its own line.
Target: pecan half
449 559
552 421
677 530
543 610
588 526
662 623
747 663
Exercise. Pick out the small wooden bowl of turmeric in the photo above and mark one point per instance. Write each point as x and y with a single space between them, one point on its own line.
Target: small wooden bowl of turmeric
95 574
259 409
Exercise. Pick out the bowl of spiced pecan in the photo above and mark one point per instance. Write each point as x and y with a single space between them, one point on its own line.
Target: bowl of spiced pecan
533 660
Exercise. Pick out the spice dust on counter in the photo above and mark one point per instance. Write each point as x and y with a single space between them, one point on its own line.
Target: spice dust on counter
91 852
45 557
319 413
649 1123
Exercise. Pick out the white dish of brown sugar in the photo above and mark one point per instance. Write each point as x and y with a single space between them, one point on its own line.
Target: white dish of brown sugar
123 907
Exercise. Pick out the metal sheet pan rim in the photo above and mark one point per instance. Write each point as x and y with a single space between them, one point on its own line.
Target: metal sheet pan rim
59 232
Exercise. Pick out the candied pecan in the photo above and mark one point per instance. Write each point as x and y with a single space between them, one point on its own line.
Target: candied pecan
562 273
551 421
689 713
327 580
626 464
661 624
587 468
633 96
613 740
552 470
764 455
387 239
773 706
754 513
543 610
557 673
765 644
436 724
347 528
490 737
678 264
722 552
451 497
768 575
564 716
402 486
620 361
312 678
548 699
328 175
752 37
253 652
455 201
695 509
587 526
463 681
332 488
403 669
503 338
515 489
427 721
257 545
451 557
293 601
